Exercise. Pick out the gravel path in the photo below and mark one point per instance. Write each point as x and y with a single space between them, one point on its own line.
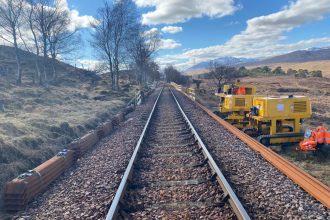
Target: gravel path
86 190
265 192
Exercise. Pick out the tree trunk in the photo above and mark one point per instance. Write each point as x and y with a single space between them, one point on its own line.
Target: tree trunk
19 70
18 61
54 68
111 74
44 60
36 74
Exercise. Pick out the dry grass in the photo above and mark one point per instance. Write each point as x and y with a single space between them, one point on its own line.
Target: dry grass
318 89
35 122
323 65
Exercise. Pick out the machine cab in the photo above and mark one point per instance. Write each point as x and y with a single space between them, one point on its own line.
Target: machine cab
236 97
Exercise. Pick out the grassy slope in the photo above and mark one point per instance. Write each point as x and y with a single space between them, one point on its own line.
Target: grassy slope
36 122
318 89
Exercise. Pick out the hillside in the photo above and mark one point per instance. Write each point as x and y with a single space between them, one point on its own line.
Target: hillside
38 121
297 56
311 59
66 72
226 61
323 65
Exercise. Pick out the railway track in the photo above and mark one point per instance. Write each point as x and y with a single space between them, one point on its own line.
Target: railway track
310 184
171 173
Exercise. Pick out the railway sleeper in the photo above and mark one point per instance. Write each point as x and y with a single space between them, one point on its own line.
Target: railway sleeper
170 132
169 166
188 145
155 184
173 206
171 139
153 154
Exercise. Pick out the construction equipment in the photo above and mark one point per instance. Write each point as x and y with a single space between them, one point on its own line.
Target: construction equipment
236 101
277 120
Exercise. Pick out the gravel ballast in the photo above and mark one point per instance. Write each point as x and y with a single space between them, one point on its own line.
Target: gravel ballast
86 190
265 192
166 183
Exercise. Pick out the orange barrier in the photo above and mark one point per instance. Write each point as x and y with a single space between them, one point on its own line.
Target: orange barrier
128 109
104 129
81 145
315 188
26 186
120 116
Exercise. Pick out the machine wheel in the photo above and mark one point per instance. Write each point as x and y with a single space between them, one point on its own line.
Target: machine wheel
264 139
250 131
220 114
217 113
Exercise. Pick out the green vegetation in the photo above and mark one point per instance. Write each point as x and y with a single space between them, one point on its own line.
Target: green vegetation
278 71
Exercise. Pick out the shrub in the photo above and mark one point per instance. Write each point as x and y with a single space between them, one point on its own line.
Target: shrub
301 73
316 73
278 71
291 72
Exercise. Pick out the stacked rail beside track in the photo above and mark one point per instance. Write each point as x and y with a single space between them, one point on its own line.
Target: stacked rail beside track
310 184
171 173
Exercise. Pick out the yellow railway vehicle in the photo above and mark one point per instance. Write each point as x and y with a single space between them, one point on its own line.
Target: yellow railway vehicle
234 105
277 119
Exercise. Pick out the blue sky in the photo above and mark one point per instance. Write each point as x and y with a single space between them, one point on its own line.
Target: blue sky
202 30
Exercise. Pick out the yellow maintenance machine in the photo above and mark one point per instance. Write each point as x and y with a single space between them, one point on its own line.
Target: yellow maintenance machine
236 101
277 120
274 120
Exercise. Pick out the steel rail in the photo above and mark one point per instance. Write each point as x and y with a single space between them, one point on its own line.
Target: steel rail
123 184
233 200
311 185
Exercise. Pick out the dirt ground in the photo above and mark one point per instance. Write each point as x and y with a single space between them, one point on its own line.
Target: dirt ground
318 89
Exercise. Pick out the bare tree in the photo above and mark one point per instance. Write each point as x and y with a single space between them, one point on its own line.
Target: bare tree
116 23
142 46
173 75
153 71
61 40
221 74
35 46
44 18
11 21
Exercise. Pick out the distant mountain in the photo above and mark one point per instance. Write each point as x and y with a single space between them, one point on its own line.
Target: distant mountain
226 61
312 54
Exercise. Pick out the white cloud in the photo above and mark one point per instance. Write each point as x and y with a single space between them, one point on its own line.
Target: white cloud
152 32
169 44
175 11
171 29
89 64
164 43
77 21
264 34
